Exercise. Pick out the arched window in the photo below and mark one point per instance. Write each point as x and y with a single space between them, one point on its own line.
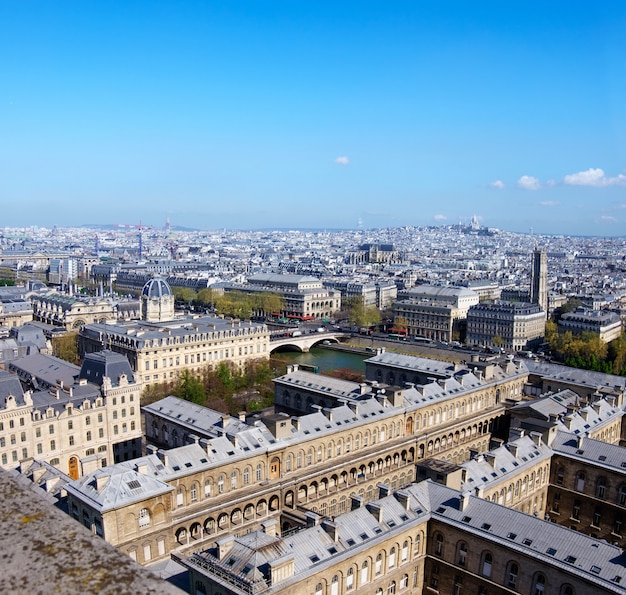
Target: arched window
539 585
233 480
621 497
601 488
438 544
487 562
259 472
246 476
350 579
404 583
220 484
334 585
391 589
392 557
511 575
379 564
364 573
207 488
567 590
193 492
405 551
319 589
461 558
580 482
180 496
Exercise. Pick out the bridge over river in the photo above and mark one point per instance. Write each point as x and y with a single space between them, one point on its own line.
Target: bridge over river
305 341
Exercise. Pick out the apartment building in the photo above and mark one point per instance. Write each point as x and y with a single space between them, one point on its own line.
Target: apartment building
304 297
76 426
603 323
514 326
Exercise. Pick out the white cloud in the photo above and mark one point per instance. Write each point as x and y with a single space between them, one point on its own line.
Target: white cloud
528 183
608 219
499 184
548 203
594 177
440 217
343 160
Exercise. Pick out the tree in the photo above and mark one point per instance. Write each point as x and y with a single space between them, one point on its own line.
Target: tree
190 388
497 341
184 294
206 297
65 347
401 323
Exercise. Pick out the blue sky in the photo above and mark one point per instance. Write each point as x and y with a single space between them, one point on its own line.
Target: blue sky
314 114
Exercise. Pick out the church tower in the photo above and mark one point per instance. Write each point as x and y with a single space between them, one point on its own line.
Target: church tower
539 279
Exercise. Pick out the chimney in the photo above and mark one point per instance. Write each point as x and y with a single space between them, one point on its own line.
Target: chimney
513 448
464 499
356 502
142 468
328 412
224 545
579 441
490 458
312 519
553 418
225 420
242 416
380 397
536 436
383 490
516 433
596 408
296 423
584 414
234 440
376 510
193 439
354 406
495 443
162 454
403 498
269 527
331 528
567 420
151 449
101 481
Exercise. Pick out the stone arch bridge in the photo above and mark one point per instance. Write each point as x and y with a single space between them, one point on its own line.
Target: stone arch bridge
305 341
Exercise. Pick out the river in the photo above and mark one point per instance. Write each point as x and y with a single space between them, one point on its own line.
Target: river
325 359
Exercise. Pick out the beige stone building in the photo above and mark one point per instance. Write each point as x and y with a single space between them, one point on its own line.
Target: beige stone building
305 297
159 347
71 312
76 427
243 473
514 326
426 538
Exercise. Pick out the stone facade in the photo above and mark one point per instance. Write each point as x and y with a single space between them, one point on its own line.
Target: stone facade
75 427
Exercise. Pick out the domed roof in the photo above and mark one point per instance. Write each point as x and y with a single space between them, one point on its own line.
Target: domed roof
156 288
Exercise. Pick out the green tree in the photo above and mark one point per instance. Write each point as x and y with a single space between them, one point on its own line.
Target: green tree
190 388
206 297
184 294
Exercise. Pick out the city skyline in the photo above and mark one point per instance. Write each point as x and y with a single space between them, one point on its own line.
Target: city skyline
314 115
